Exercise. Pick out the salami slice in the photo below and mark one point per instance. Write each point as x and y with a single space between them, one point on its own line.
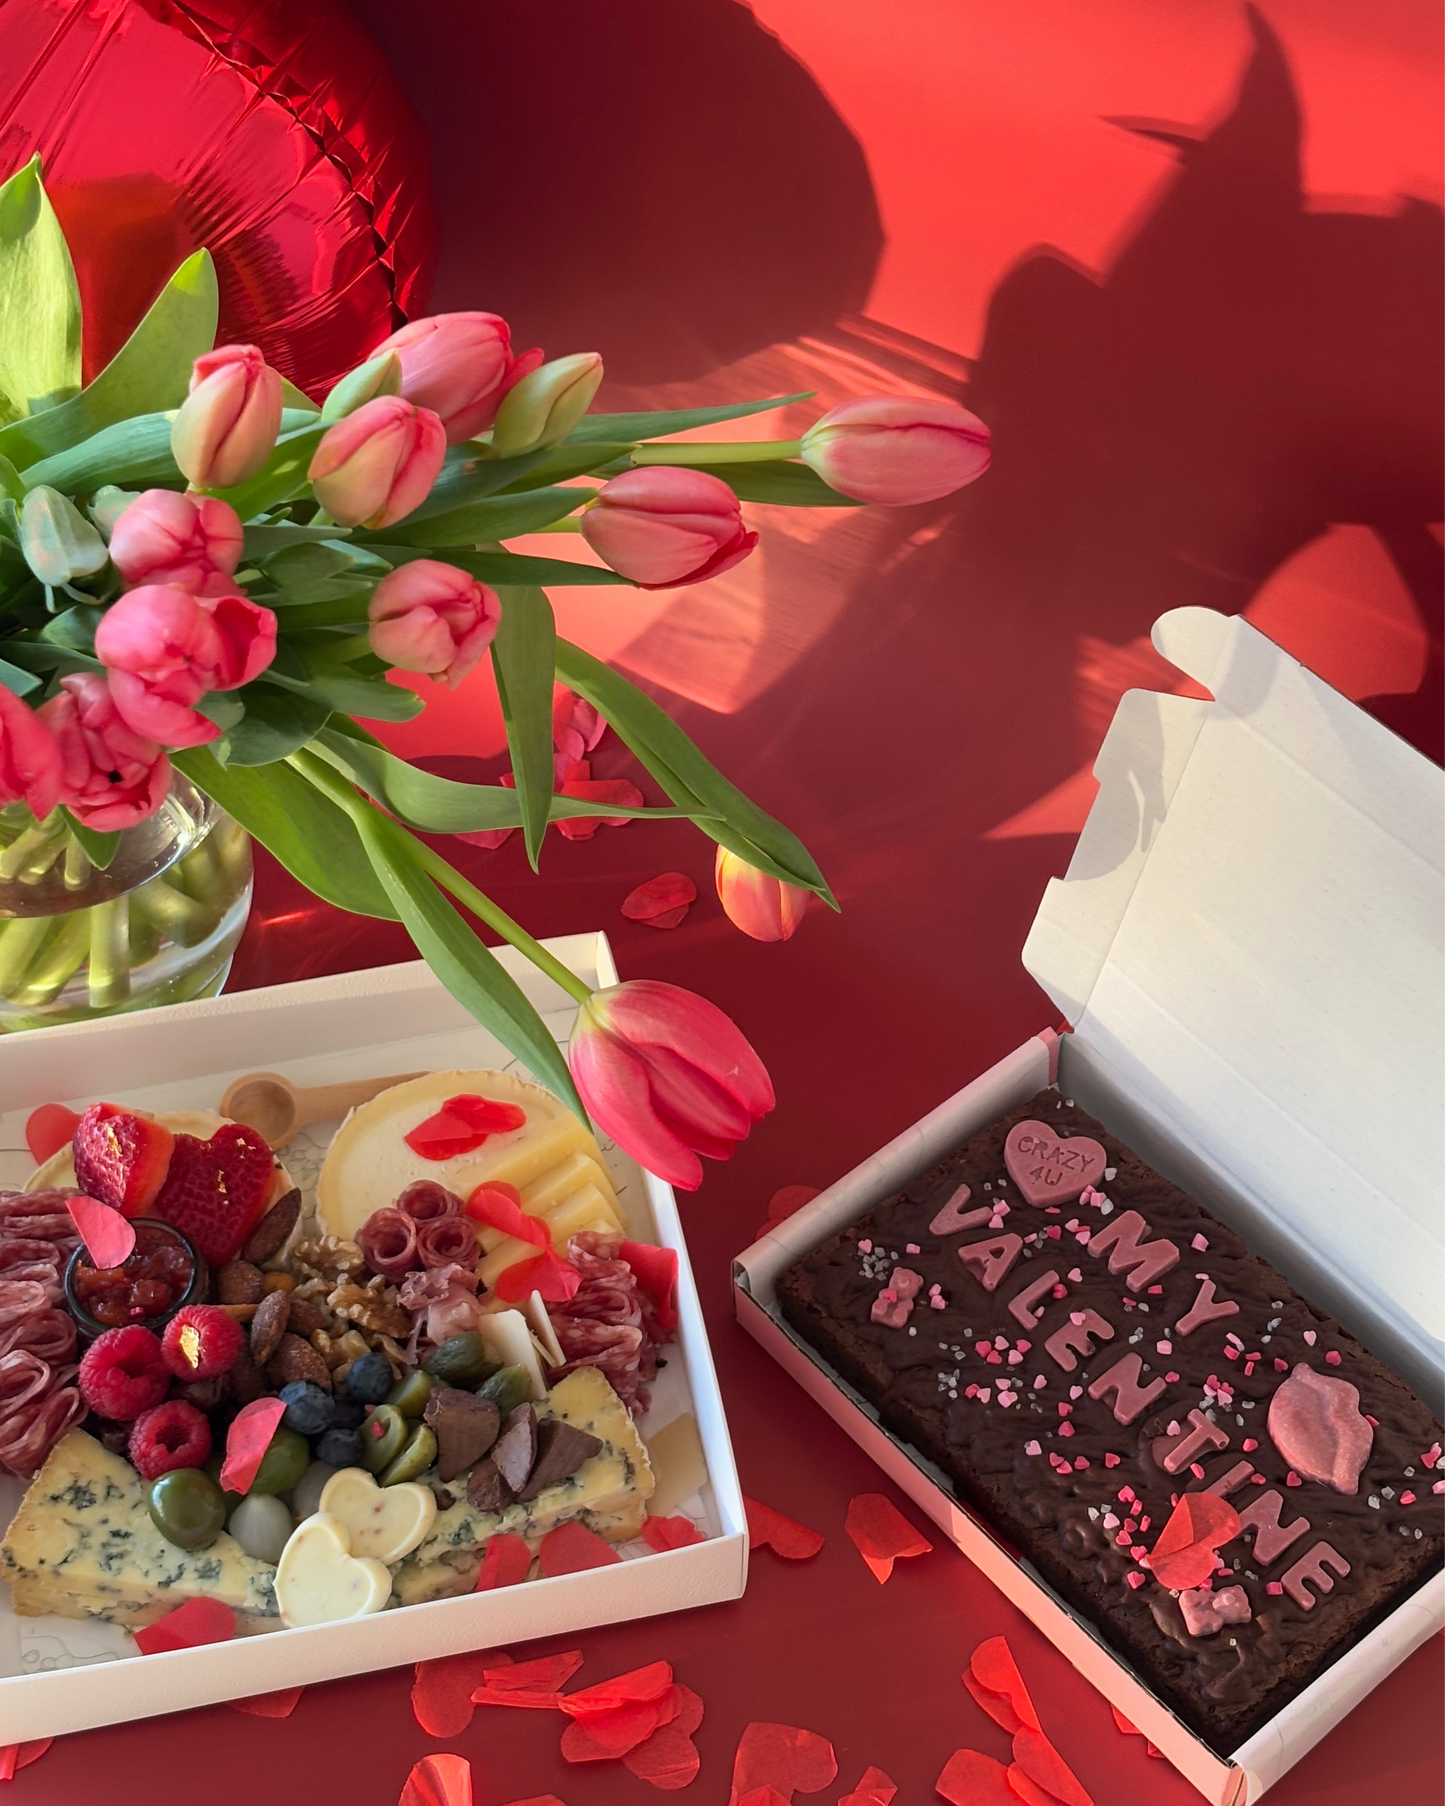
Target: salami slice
387 1240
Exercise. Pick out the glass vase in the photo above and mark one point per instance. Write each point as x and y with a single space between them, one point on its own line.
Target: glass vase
158 925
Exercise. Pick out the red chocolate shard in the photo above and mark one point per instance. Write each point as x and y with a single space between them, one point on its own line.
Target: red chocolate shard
769 1529
516 1448
970 1778
1046 1768
439 1780
1316 1423
881 1533
280 1704
465 1427
190 1625
561 1450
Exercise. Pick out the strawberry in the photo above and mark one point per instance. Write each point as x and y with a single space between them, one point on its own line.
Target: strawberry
121 1159
217 1190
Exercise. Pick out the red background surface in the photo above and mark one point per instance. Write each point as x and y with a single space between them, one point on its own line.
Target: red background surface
1213 377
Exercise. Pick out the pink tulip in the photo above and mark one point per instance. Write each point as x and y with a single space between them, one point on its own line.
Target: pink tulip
433 618
663 526
374 466
192 541
227 425
112 777
29 757
248 639
756 902
460 366
897 448
668 1076
165 649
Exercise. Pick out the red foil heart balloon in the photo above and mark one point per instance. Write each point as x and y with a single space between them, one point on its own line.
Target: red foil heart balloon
1047 1170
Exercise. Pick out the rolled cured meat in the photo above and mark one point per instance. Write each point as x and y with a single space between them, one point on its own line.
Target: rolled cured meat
387 1240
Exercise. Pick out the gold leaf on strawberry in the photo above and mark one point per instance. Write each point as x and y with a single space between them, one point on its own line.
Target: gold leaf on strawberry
216 1191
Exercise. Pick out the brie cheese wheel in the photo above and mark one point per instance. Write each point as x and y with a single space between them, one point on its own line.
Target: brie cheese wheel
319 1580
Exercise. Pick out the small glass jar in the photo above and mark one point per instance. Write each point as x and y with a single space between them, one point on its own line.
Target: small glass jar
163 1272
159 924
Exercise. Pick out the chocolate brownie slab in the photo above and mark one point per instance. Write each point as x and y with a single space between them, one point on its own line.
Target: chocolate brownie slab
1078 1345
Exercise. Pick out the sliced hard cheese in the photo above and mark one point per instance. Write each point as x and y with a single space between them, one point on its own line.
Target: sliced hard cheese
369 1164
608 1493
560 1181
508 1337
82 1545
678 1463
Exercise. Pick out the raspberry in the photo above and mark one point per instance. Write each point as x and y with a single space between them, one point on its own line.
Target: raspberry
201 1342
171 1435
123 1373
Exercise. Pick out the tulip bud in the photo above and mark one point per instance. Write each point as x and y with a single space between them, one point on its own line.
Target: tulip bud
59 543
226 427
29 757
460 366
545 405
380 375
431 617
108 504
668 1076
193 541
761 905
897 449
664 525
376 465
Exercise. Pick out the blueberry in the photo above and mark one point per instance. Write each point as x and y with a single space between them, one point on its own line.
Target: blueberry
309 1410
369 1379
340 1448
347 1414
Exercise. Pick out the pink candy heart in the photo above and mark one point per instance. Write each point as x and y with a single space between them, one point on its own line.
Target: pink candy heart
1047 1170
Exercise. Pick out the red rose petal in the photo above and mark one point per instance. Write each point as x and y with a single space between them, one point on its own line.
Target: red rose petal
970 1778
662 1534
440 1780
656 1272
15 1756
784 1757
47 1129
785 1201
875 1789
784 1536
881 1533
572 1547
668 1759
441 1690
196 1622
270 1705
108 1236
247 1441
995 1682
505 1561
1042 1763
1199 1524
662 902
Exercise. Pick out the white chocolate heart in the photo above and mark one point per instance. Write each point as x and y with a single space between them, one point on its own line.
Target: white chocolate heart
319 1580
383 1522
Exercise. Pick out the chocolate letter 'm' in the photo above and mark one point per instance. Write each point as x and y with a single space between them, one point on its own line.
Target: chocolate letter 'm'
1144 1264
1020 1306
1311 1566
992 1260
1174 1452
1130 1398
1271 1538
1078 1336
1204 1309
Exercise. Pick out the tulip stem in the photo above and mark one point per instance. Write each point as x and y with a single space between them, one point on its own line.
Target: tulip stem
572 524
735 452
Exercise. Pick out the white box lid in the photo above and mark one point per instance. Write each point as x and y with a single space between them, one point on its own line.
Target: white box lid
1249 941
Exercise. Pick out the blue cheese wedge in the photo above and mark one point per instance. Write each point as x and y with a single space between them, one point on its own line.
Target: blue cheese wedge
82 1545
608 1493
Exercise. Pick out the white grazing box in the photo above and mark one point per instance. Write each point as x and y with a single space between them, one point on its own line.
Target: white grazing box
1247 945
61 1674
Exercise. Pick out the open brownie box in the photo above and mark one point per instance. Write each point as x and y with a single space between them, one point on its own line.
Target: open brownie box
1247 947
60 1674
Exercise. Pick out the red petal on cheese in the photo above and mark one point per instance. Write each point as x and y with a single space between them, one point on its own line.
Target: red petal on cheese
441 1690
247 1441
784 1757
463 1123
970 1778
15 1756
548 1274
784 1536
47 1129
993 1668
500 1207
875 1789
882 1534
545 1674
440 1780
505 1561
668 1759
1042 1763
656 1270
670 1533
108 1236
272 1705
196 1622
572 1547
486 1113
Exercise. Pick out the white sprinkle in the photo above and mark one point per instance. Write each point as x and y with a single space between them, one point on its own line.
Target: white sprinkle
1111 1172
1373 1501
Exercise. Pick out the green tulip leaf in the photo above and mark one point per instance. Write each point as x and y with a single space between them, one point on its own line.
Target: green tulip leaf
99 848
74 629
39 301
499 568
131 454
372 698
16 681
271 724
485 522
777 480
280 479
523 663
672 420
468 475
292 397
265 538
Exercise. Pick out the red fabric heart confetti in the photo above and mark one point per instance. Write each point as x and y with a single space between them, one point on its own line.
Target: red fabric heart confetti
247 1441
441 1690
606 1736
638 1684
875 1789
1132 1730
783 1757
881 1534
15 1756
196 1622
506 1561
544 1674
1037 1758
662 1534
970 1778
47 1129
538 1799
662 902
784 1202
462 1124
668 1759
440 1780
762 1796
1184 1555
769 1529
280 1704
992 1677
572 1547
656 1273
108 1236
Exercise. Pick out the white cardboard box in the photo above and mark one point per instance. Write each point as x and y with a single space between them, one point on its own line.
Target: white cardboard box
1248 947
59 1675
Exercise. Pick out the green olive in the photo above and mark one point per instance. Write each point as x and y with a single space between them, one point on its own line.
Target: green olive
383 1436
461 1361
414 1459
507 1388
213 1469
187 1507
411 1392
287 1457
